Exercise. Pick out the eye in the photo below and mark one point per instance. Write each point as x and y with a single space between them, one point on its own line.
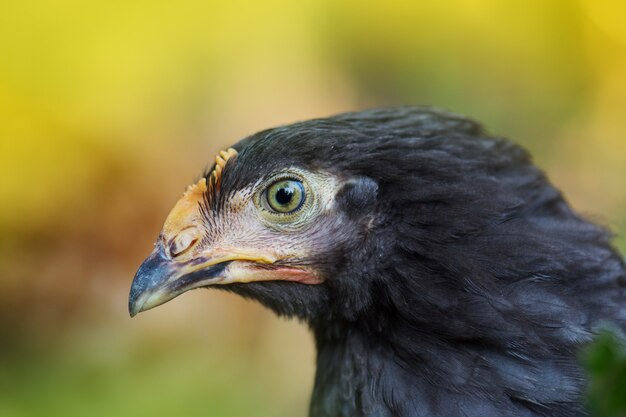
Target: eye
286 196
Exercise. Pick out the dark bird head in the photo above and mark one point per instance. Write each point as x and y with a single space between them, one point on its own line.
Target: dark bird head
408 225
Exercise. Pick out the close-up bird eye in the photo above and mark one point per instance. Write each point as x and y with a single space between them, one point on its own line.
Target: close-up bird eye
286 196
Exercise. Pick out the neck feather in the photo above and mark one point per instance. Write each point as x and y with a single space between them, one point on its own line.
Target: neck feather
363 372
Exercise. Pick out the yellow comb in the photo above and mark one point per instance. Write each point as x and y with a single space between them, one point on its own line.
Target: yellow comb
220 162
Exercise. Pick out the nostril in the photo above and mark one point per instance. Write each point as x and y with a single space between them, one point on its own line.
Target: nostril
184 241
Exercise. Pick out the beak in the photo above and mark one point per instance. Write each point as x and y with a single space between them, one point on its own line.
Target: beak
160 279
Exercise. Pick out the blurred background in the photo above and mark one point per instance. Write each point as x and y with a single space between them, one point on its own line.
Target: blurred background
109 109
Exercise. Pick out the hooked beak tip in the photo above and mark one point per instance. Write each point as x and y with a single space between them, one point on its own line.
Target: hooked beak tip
152 274
133 308
136 299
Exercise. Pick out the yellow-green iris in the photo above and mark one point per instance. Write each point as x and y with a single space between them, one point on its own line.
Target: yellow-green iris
286 196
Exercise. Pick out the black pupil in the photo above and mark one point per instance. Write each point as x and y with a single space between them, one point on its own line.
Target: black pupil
284 195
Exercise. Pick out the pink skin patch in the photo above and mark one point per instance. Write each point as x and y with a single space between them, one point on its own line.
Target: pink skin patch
253 272
297 275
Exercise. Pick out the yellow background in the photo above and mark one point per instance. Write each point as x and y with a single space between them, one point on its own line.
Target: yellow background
109 109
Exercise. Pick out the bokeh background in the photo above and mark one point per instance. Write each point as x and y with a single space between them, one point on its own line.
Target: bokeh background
109 109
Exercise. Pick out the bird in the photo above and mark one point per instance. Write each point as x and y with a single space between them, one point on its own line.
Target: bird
438 269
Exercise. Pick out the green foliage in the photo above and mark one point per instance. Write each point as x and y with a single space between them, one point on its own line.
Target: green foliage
605 361
156 385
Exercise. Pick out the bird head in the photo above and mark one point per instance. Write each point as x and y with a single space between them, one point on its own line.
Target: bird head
343 217
277 219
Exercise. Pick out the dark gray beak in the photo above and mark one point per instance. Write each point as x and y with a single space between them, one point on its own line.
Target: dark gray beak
160 279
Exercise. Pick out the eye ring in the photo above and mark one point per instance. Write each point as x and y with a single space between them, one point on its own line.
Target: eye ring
285 196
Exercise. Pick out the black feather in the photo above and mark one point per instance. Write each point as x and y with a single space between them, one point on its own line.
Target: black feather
461 283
